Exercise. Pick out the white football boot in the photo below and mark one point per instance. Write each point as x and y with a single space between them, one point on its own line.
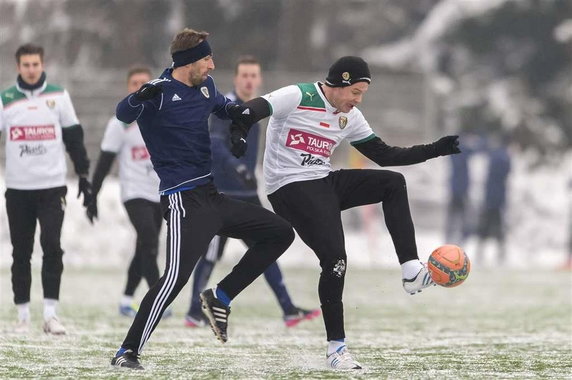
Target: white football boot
421 281
342 359
54 327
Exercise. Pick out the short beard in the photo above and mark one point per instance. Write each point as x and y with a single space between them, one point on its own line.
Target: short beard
195 81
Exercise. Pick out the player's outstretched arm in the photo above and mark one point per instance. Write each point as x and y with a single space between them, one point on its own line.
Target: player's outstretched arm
384 155
146 99
250 112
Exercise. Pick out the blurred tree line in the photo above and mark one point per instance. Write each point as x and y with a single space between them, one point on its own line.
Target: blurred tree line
512 73
508 70
286 34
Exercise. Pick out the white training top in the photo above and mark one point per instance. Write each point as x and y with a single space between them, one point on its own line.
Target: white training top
136 174
303 132
33 122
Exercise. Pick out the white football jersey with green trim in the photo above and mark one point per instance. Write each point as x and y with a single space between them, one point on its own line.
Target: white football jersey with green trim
32 122
303 132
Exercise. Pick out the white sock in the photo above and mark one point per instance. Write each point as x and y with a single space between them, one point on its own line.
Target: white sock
126 300
23 312
334 345
409 269
50 308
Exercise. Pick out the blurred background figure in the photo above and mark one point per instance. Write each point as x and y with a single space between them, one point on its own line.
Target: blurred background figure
492 210
458 225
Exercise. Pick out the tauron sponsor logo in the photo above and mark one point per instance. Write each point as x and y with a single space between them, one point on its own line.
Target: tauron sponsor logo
139 153
32 133
309 160
310 143
32 150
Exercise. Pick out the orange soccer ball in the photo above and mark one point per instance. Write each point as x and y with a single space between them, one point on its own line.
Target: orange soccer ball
449 266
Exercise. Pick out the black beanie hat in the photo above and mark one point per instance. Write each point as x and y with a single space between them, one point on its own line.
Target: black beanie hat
347 71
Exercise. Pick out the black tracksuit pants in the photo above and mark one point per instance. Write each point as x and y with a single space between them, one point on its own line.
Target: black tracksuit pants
24 207
194 217
314 210
146 217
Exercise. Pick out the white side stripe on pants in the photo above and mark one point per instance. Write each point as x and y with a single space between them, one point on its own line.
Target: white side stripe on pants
177 211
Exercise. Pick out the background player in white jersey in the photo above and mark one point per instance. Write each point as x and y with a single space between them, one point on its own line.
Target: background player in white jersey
39 120
139 193
308 122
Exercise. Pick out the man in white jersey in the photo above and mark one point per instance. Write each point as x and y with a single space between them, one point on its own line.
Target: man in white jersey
139 193
308 122
39 120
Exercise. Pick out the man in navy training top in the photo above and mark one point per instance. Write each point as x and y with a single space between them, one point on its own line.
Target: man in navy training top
235 178
172 113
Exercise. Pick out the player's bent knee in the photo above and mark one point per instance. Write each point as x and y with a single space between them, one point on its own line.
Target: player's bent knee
334 268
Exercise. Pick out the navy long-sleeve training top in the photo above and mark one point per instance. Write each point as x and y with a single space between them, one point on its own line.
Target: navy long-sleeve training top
174 126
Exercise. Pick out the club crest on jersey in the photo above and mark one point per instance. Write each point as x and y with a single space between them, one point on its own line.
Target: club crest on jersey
51 103
343 121
205 92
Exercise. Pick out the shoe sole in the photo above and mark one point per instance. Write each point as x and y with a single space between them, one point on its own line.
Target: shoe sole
357 366
207 312
313 314
47 332
420 290
125 368
194 325
307 317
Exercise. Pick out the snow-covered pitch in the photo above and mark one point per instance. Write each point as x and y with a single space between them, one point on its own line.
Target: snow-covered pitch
510 322
498 324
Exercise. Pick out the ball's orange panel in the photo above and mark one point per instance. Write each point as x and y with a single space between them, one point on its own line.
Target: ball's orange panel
449 266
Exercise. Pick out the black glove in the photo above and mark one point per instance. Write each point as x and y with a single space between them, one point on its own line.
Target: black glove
246 176
147 91
238 143
446 145
85 189
241 115
91 210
